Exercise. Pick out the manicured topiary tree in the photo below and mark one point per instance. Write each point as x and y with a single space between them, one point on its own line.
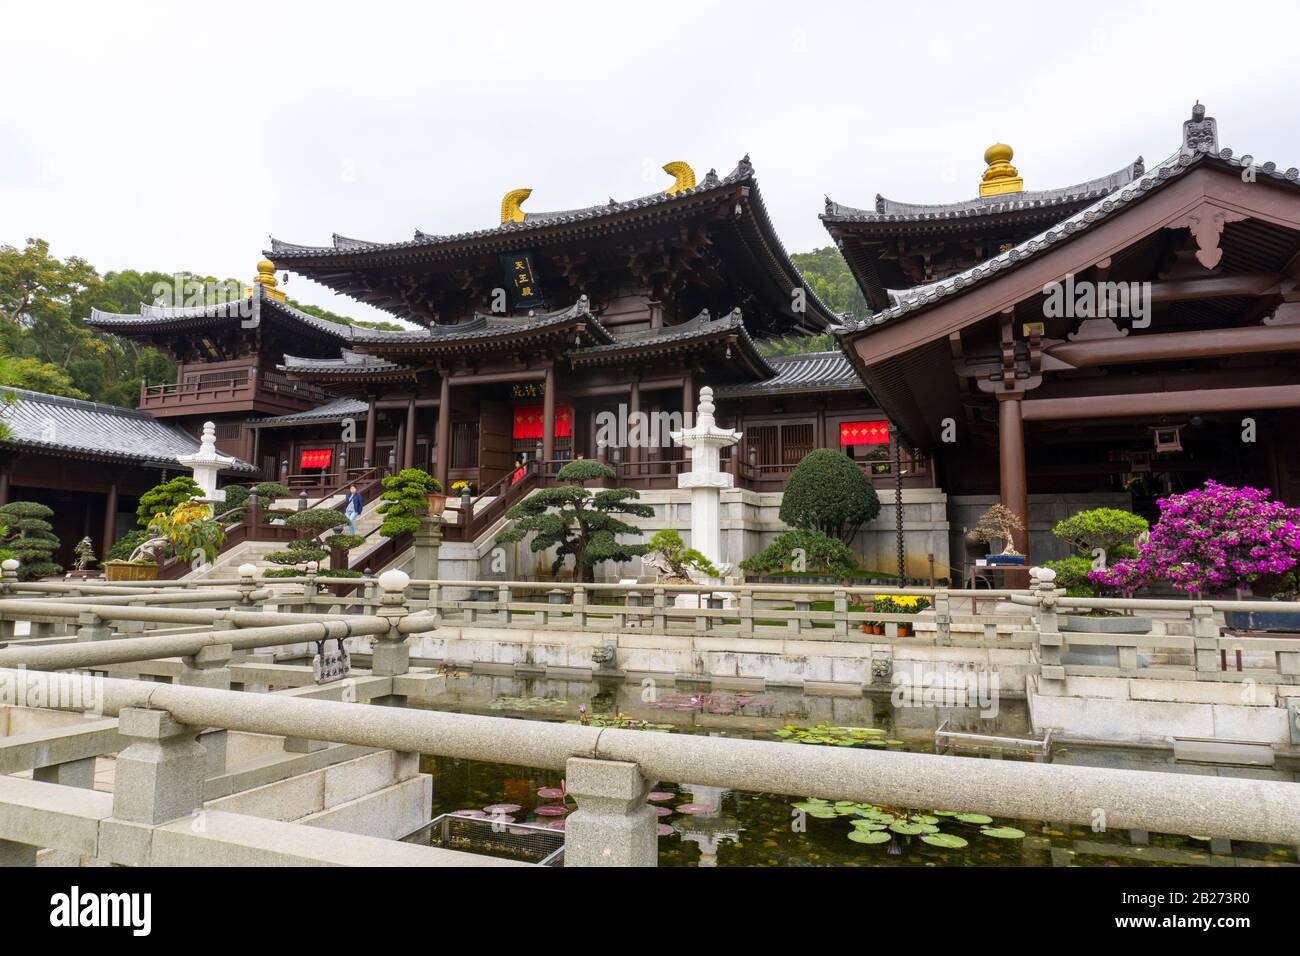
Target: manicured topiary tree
1213 539
578 523
313 522
164 498
31 539
803 551
405 499
298 554
829 493
1109 529
668 551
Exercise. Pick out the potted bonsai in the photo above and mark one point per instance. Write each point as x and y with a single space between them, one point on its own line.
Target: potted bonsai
1000 523
675 562
188 531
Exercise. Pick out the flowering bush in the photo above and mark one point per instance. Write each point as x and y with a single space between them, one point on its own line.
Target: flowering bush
1212 539
899 603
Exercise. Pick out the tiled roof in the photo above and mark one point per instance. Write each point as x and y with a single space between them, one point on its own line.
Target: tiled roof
342 245
482 327
703 327
162 317
891 211
807 372
1200 145
334 410
348 363
59 425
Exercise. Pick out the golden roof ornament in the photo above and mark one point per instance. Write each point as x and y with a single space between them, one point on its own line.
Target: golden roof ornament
266 279
1000 177
683 177
510 211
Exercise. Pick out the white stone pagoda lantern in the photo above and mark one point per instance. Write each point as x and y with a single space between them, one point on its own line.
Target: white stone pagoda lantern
206 463
706 479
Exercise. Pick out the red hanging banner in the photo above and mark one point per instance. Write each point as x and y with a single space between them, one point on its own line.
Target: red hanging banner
528 421
315 458
864 433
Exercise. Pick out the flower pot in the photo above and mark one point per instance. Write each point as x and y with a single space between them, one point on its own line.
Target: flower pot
904 630
877 629
437 503
127 571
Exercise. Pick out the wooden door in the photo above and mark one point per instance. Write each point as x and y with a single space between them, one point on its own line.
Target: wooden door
494 456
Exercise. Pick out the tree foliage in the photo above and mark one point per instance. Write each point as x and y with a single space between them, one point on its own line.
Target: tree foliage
1106 528
670 551
828 275
405 499
30 536
803 550
579 523
165 498
828 492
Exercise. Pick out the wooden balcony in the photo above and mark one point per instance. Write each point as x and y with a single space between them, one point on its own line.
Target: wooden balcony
234 390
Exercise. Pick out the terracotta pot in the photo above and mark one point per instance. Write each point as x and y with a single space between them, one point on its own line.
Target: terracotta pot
877 629
126 571
904 630
437 503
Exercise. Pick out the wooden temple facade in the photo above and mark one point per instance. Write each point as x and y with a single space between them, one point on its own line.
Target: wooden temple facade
550 336
1137 334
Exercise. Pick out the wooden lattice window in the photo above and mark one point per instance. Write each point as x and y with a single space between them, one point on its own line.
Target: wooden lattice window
796 442
464 444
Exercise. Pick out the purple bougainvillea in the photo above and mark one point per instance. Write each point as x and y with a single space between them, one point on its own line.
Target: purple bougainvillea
1212 539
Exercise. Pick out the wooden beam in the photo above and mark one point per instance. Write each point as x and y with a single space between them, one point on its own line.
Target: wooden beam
1163 403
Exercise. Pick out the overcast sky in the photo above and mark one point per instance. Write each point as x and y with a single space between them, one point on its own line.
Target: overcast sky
178 136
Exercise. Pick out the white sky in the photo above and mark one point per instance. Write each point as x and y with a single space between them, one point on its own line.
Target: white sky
178 136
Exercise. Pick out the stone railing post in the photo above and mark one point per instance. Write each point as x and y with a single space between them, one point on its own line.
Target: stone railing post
943 618
799 623
504 597
248 591
92 627
427 544
74 773
1048 636
841 606
390 655
579 607
1205 638
659 618
747 613
613 825
159 776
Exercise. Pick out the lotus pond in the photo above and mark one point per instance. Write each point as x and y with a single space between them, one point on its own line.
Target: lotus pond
709 826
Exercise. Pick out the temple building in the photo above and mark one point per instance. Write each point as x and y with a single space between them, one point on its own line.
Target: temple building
546 337
1106 343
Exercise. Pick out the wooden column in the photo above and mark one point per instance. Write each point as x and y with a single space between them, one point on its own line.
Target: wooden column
4 487
688 398
369 455
110 520
1011 463
633 410
444 430
408 451
548 415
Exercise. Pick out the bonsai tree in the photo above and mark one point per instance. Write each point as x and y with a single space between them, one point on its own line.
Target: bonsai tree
803 551
669 553
296 556
829 493
1216 538
124 546
163 499
237 496
999 523
85 552
1111 530
30 536
405 499
579 523
313 522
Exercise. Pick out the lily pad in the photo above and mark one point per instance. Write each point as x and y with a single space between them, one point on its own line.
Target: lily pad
907 829
974 818
1003 833
868 836
945 840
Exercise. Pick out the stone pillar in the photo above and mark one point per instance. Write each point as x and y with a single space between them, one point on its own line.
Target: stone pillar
110 521
390 656
74 773
159 776
613 825
428 541
92 627
444 431
368 459
408 451
548 415
706 479
210 667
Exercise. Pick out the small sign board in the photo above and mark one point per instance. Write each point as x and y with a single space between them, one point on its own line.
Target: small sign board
329 666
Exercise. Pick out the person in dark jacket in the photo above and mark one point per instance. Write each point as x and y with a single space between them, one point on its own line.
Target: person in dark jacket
352 506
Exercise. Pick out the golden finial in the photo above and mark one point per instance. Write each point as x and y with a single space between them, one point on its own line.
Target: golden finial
1001 176
266 279
683 175
510 211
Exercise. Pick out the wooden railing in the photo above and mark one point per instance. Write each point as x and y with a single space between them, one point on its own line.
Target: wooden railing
235 386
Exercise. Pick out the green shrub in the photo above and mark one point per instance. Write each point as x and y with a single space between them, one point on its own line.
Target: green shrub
299 552
801 550
314 521
342 573
405 499
345 541
165 497
31 539
1107 528
282 573
1072 574
829 493
123 548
